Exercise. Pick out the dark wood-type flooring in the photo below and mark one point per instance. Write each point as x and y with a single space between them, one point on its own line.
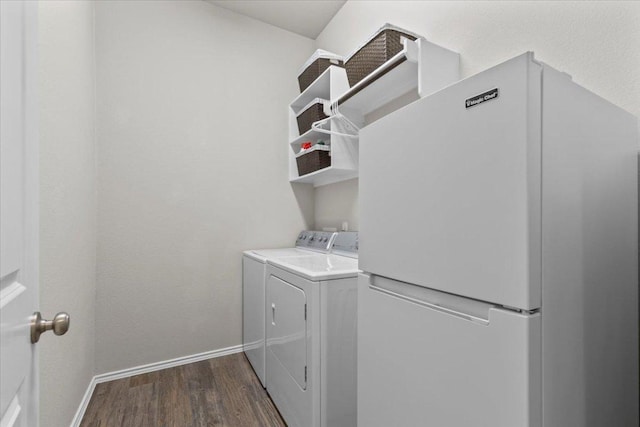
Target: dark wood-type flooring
218 392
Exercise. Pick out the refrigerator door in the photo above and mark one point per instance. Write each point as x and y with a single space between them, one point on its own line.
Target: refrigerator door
426 358
450 188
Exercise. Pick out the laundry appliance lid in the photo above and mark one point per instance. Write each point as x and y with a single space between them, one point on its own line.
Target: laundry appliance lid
319 267
263 255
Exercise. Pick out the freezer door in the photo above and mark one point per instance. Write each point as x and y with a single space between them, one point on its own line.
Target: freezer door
436 360
450 188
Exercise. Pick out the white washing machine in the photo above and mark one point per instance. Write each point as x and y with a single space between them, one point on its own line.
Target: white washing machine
253 291
311 336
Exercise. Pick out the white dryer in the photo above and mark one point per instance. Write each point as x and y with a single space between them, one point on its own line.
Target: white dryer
253 291
311 336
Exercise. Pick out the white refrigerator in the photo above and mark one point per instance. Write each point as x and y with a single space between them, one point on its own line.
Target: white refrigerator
498 240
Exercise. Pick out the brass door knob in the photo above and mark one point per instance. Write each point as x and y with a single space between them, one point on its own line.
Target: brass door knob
59 325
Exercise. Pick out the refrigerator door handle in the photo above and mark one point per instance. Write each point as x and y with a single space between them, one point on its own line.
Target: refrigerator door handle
465 308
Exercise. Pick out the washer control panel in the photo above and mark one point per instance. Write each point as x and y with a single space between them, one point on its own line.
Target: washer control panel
316 240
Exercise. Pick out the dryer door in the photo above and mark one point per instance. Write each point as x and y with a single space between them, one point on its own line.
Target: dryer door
287 327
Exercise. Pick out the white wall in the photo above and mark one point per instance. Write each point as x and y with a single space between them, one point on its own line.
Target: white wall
596 42
192 169
67 204
335 204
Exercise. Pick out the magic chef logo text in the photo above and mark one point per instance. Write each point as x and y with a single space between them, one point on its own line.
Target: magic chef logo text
483 97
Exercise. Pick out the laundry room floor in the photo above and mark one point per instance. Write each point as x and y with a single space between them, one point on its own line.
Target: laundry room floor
223 392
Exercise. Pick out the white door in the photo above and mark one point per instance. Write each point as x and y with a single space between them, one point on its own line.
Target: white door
292 347
18 213
287 327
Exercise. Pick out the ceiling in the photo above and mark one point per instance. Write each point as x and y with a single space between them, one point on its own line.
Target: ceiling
305 17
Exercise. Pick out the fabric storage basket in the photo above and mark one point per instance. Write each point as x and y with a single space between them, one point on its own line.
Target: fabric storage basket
319 61
312 112
315 158
382 46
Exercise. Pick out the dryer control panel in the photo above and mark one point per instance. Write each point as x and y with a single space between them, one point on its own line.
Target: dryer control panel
346 243
320 241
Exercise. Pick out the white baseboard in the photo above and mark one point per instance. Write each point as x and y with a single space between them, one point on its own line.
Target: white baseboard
84 403
156 366
143 369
